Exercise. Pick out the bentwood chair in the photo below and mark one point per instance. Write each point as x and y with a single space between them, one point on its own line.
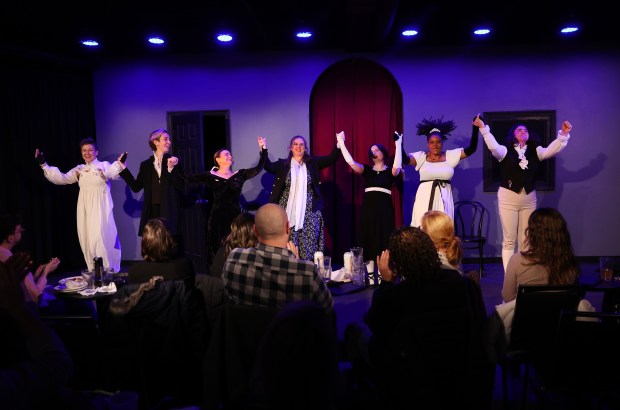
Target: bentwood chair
469 219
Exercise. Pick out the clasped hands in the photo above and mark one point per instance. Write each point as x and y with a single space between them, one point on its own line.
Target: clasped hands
262 143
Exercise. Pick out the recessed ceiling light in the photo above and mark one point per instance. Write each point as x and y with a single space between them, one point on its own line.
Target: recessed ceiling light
482 31
225 38
409 33
156 40
569 29
90 43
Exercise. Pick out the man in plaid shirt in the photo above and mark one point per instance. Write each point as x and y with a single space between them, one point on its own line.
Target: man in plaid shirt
270 274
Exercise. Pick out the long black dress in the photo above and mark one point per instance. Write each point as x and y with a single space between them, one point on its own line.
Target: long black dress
377 216
226 195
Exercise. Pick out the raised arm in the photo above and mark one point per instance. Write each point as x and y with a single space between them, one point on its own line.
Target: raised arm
355 166
557 145
473 143
252 172
497 150
53 174
135 184
325 161
398 154
407 159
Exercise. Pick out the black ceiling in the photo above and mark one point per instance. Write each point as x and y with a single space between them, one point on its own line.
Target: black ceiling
268 25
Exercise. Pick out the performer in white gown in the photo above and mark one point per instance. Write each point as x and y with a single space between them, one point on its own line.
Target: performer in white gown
95 221
436 168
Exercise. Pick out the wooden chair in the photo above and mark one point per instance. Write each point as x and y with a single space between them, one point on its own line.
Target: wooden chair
532 336
469 219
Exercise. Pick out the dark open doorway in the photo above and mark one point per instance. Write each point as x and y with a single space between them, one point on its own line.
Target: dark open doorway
197 135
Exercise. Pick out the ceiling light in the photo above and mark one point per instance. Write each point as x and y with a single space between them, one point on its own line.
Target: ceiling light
304 34
156 40
569 29
90 43
225 37
483 31
409 33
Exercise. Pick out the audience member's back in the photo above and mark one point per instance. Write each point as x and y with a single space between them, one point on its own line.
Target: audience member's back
296 364
157 335
160 252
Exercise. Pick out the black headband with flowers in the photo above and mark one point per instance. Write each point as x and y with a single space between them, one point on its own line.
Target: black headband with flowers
428 127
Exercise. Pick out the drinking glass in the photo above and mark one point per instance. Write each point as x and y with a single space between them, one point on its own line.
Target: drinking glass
89 277
107 277
325 268
606 265
358 265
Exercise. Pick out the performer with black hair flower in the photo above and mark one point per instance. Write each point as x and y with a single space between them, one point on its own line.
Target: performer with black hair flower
436 168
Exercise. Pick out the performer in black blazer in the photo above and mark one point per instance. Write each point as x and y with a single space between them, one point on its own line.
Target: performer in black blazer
163 185
297 189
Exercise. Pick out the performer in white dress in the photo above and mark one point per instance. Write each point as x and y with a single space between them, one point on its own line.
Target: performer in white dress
95 221
436 168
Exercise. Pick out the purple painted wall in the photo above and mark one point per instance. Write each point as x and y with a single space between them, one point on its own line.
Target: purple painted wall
268 95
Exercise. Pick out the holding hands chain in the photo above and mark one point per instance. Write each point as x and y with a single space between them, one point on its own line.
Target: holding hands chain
262 143
478 122
340 138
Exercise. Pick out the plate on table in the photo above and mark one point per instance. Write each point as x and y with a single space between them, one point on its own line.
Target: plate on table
71 284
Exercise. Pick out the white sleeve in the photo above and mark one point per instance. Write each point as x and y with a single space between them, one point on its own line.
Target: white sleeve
398 154
112 170
420 158
554 148
497 150
54 175
345 153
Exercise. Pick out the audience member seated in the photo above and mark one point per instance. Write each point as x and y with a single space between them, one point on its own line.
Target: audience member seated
241 236
296 364
33 284
155 340
271 273
440 227
548 257
422 346
160 253
34 364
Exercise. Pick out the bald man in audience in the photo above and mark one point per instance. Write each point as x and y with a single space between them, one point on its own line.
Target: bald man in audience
271 273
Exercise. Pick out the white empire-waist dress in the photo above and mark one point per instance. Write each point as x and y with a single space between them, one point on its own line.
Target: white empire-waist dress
95 221
431 171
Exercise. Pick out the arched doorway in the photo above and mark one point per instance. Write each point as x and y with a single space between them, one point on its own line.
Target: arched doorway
362 98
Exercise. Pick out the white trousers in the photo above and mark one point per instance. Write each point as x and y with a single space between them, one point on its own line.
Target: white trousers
514 212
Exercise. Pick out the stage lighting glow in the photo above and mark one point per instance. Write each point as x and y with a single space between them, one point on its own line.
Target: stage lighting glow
409 33
225 38
90 43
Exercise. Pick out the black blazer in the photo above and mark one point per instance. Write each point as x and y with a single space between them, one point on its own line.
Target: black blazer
282 167
171 191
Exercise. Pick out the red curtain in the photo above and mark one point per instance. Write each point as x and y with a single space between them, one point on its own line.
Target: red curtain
361 98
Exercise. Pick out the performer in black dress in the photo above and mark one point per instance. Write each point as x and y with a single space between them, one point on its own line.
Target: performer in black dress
377 216
226 186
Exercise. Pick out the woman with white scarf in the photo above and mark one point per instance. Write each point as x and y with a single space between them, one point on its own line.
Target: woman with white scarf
297 189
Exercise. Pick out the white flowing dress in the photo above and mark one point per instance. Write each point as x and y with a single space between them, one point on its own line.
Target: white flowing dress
444 170
95 221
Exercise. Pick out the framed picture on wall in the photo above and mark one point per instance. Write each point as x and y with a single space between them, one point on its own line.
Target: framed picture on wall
540 124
